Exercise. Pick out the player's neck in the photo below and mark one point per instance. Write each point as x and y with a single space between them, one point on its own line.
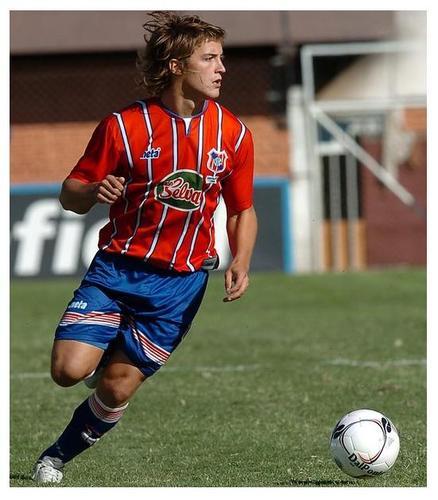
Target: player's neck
181 105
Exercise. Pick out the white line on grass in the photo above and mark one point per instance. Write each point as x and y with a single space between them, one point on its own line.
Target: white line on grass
22 376
226 368
376 364
244 368
167 369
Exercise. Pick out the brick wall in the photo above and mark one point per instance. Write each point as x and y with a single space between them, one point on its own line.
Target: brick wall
46 152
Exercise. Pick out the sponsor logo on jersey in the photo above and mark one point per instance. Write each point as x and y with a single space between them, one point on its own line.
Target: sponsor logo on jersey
181 190
151 154
216 163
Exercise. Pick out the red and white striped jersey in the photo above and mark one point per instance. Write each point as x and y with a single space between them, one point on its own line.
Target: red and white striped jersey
175 171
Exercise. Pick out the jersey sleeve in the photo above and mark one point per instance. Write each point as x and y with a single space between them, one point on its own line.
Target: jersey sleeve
101 156
237 188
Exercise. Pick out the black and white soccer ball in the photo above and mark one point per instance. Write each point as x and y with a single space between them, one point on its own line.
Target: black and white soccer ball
364 443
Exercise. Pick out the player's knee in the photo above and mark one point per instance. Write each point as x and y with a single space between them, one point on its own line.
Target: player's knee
114 396
67 375
62 378
115 392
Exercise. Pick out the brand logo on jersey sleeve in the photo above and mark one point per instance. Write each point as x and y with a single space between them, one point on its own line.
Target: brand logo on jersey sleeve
181 190
216 163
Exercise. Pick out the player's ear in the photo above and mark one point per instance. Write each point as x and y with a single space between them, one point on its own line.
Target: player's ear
176 67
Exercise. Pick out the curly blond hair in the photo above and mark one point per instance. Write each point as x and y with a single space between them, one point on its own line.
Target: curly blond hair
170 36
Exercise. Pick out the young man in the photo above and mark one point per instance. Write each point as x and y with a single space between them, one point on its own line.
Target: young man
161 164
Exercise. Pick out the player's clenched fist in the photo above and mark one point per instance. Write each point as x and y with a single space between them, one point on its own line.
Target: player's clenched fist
110 189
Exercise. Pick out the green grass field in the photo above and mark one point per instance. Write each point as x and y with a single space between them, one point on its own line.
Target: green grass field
251 396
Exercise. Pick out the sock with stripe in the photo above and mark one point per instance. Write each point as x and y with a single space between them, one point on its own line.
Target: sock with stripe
90 421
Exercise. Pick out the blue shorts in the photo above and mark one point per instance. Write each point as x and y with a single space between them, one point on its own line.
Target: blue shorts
144 311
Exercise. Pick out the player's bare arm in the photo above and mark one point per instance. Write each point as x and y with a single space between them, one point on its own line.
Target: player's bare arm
242 232
79 196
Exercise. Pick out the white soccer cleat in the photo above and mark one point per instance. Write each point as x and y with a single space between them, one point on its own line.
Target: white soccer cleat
92 380
47 470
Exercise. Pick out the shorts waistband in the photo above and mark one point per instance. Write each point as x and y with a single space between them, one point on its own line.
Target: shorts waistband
208 264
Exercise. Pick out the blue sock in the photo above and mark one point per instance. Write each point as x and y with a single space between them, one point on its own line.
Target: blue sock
90 421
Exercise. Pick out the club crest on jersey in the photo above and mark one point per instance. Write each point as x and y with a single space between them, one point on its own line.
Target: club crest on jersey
216 163
181 190
150 153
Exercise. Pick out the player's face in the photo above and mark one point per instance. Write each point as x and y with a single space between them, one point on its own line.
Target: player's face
203 71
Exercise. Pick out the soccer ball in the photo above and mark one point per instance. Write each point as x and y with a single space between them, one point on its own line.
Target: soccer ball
364 443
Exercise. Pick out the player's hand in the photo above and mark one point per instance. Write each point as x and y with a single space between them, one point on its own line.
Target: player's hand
236 282
110 189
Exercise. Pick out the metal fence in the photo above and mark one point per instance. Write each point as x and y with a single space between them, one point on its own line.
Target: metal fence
327 180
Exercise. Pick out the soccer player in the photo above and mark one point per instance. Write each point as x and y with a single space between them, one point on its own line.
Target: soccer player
161 164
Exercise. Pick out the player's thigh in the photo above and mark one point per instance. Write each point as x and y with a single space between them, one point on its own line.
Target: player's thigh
89 324
160 322
73 360
120 380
